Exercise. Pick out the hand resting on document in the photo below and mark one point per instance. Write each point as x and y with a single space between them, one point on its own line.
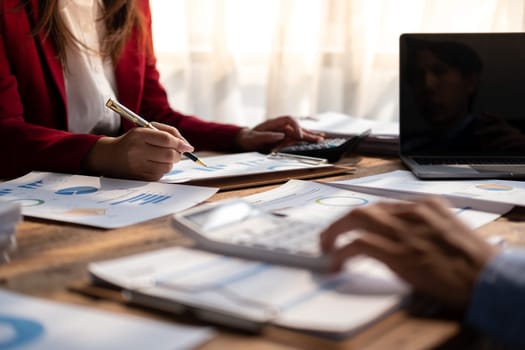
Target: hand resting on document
423 242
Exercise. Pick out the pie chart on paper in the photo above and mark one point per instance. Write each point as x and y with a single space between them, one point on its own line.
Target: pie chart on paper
495 187
16 332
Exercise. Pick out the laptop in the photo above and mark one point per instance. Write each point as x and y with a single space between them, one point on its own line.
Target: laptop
462 105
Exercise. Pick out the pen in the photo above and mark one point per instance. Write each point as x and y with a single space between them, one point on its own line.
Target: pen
139 121
299 158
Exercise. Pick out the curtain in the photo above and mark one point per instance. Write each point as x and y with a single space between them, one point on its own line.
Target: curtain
243 61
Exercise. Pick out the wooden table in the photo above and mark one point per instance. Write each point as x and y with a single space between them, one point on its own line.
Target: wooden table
53 256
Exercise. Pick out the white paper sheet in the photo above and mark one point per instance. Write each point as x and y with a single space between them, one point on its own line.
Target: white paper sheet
10 215
30 323
98 201
337 303
233 165
489 191
322 203
310 201
341 124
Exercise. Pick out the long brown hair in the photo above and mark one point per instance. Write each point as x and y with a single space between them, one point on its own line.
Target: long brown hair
119 17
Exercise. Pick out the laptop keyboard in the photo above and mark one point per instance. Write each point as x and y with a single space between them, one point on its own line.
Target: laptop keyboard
464 161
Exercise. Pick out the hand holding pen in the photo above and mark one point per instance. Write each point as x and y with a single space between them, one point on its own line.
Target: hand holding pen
139 121
140 153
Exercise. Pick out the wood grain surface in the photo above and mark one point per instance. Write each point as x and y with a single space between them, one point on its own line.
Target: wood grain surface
52 258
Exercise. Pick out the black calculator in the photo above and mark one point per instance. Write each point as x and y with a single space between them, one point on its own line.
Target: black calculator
331 149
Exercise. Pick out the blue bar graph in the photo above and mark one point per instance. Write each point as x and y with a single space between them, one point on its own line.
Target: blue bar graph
211 168
32 185
5 191
252 163
143 198
173 172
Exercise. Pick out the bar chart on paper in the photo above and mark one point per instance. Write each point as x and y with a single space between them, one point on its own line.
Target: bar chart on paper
233 165
143 198
97 201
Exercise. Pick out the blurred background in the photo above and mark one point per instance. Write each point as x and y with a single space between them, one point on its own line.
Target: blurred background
243 61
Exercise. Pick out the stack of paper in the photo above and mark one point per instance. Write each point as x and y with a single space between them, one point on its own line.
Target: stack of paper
10 215
384 139
248 294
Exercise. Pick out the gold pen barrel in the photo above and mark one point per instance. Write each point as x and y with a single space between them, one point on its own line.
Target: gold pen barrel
128 114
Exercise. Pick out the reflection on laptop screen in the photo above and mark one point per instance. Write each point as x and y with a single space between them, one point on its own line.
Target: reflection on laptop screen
462 94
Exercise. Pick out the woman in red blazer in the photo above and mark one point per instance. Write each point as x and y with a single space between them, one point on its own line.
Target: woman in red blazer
34 114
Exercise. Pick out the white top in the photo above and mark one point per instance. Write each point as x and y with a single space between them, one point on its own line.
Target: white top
89 79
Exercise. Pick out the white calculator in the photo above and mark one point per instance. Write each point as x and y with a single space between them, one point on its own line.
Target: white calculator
235 227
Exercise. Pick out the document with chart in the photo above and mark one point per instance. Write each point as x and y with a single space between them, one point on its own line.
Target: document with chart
244 293
239 164
494 192
322 203
34 323
98 201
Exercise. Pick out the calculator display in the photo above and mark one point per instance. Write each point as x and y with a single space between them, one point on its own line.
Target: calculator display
221 215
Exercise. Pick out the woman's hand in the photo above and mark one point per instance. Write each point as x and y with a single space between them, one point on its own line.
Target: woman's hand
141 153
424 243
275 133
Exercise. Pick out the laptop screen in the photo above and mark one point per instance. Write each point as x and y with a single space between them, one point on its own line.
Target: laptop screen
462 94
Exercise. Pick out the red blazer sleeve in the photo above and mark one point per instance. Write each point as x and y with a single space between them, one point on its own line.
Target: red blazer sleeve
138 57
31 110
